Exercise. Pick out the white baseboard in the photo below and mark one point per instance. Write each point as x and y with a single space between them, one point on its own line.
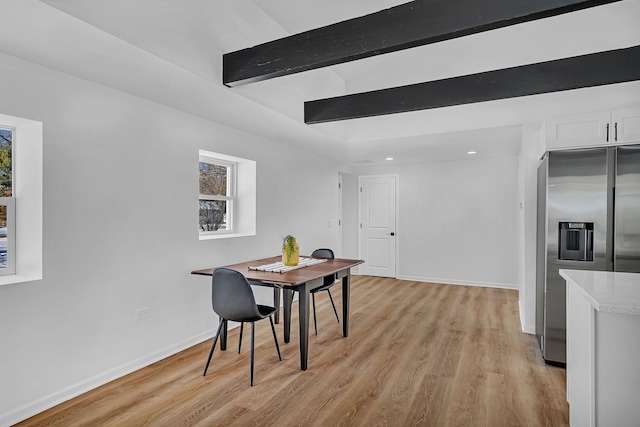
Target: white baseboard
527 329
459 282
30 409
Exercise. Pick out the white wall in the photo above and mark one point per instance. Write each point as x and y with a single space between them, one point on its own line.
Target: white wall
349 216
457 220
120 233
529 161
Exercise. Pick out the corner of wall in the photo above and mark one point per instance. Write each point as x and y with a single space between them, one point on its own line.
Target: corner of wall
531 136
524 326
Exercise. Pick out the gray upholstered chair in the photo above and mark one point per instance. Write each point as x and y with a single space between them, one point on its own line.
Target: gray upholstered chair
232 299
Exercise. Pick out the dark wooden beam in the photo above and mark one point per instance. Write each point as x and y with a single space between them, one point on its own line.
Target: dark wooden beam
603 68
405 26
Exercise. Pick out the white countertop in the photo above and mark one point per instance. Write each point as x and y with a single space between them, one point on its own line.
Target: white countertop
607 291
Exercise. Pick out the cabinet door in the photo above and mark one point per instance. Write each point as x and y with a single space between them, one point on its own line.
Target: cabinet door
577 130
626 126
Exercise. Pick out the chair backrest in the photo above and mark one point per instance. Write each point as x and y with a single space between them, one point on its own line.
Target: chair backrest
323 253
232 297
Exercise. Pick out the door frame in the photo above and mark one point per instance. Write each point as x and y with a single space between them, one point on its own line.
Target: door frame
340 215
397 236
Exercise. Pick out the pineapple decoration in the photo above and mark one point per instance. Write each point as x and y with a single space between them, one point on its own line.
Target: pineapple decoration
290 251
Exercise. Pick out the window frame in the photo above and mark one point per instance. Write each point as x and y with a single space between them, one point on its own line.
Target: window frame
27 180
245 206
230 198
10 203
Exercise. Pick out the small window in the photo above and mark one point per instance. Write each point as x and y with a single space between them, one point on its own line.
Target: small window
20 200
217 195
7 204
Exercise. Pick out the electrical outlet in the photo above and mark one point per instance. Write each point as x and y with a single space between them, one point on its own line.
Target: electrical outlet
143 313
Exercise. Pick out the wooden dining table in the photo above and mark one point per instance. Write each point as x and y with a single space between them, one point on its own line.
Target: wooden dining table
302 280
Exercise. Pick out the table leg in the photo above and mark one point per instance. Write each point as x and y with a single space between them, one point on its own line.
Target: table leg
346 294
303 320
276 304
223 336
288 299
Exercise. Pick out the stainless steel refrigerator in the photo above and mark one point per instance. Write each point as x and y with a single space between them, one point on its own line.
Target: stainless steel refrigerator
588 219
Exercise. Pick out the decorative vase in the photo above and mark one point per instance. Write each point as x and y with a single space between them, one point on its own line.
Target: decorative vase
290 251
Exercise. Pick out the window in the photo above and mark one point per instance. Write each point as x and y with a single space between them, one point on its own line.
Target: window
217 195
20 200
7 204
227 196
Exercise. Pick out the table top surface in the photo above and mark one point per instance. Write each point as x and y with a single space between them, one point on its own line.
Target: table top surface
289 278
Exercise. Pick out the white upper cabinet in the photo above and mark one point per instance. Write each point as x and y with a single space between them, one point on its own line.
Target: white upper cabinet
577 130
593 129
626 125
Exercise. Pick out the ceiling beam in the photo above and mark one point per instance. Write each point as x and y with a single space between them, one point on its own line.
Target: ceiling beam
609 67
405 26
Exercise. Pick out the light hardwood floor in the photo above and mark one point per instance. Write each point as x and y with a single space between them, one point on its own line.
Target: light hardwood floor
417 354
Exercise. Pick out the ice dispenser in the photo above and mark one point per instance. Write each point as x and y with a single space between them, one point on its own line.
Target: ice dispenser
575 241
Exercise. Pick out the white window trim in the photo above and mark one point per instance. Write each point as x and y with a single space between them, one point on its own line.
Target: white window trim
245 186
27 193
230 198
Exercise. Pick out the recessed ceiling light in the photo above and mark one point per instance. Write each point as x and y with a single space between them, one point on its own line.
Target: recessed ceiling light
388 158
472 152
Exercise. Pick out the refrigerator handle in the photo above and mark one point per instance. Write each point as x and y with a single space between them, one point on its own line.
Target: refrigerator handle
610 223
612 233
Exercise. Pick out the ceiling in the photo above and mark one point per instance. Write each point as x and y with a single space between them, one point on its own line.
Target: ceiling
170 51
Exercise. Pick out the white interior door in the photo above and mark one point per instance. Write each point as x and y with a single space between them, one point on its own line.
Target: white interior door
378 226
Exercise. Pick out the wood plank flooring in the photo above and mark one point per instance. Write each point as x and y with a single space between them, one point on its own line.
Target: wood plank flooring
418 354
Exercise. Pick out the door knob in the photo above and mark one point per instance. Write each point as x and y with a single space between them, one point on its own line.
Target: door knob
391 234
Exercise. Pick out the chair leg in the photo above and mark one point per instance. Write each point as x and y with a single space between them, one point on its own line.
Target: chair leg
253 334
315 324
275 339
215 341
333 305
240 340
277 293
